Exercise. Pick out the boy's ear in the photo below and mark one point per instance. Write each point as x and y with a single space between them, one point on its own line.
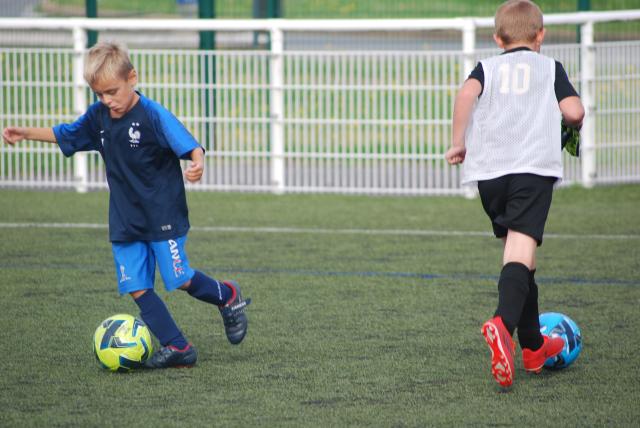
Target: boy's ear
540 36
498 41
132 78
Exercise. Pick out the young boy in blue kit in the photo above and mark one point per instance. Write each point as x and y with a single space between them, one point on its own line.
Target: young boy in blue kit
506 130
141 144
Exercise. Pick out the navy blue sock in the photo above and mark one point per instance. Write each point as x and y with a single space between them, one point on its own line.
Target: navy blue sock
155 314
209 290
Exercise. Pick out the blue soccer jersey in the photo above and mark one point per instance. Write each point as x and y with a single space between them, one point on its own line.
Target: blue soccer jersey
141 152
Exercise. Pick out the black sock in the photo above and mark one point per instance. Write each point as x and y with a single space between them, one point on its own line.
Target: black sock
513 288
529 334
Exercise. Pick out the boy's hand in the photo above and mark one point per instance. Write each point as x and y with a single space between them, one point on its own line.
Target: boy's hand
12 134
455 155
194 172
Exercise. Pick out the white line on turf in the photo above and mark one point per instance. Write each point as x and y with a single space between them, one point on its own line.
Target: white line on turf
397 232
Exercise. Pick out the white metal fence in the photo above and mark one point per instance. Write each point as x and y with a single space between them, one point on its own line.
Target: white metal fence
344 121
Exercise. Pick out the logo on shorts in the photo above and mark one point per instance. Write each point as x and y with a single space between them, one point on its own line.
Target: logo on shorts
123 276
178 270
134 135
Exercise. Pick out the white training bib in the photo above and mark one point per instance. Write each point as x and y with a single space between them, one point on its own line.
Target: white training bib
515 125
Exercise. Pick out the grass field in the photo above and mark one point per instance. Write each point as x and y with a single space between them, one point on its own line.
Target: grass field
366 312
339 8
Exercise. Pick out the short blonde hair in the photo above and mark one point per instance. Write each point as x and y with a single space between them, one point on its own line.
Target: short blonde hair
518 21
107 60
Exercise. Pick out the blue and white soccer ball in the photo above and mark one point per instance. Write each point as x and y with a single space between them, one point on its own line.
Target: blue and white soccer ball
556 324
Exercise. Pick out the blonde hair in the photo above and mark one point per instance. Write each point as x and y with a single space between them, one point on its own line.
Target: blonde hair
107 60
518 21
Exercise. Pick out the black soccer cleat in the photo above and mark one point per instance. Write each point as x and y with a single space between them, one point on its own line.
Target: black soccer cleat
233 316
170 356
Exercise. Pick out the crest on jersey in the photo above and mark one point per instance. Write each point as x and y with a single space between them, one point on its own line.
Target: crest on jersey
134 135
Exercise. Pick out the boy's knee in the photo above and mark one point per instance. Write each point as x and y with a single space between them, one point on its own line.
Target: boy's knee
137 294
520 248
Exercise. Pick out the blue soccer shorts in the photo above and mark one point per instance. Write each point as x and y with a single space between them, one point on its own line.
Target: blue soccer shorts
136 264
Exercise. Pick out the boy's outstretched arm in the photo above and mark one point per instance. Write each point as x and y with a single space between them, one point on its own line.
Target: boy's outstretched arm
194 172
13 134
462 109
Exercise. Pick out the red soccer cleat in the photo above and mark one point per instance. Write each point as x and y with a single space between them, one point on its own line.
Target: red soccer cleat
502 350
534 360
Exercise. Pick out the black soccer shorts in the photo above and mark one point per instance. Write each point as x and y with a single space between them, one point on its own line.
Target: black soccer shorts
519 202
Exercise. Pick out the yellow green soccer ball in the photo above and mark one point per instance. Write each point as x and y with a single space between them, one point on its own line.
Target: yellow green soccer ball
122 343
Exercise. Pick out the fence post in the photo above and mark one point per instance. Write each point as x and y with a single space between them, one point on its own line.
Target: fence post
80 167
468 51
207 10
276 107
468 47
91 7
587 82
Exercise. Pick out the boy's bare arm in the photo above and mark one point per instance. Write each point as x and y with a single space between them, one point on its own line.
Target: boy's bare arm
194 172
572 111
462 109
13 134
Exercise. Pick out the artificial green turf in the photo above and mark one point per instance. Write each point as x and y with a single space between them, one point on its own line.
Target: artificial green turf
345 329
341 8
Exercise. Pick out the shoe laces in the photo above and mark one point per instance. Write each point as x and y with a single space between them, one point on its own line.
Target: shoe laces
231 311
162 354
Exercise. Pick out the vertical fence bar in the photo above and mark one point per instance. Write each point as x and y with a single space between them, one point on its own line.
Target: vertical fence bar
468 47
587 85
468 51
276 106
80 166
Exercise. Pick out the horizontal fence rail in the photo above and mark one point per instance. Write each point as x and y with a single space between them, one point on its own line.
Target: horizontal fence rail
279 120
